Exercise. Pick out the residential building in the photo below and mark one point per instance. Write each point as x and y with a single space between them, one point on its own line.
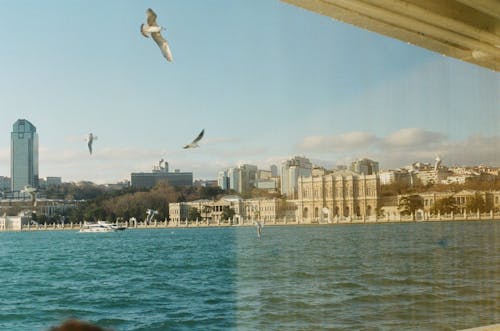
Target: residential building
364 166
432 176
272 184
4 183
401 176
274 171
291 171
23 155
241 179
234 175
248 177
223 180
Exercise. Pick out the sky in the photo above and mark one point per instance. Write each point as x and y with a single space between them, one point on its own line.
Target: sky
265 79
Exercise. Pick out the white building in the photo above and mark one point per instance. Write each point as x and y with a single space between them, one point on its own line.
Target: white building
223 180
291 171
13 223
364 166
234 175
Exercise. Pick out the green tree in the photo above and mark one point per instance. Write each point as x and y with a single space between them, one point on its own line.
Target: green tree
227 213
408 204
476 203
445 206
194 214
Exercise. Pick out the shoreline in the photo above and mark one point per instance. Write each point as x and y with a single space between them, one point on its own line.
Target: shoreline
183 225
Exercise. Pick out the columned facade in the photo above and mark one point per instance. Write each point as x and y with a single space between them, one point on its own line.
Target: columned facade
344 195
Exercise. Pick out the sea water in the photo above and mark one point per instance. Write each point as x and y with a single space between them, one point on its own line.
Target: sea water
417 276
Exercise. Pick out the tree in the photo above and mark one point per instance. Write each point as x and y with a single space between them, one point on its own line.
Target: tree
194 214
210 192
227 213
476 203
445 206
408 204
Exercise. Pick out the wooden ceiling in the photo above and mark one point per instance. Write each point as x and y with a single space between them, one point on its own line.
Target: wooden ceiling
468 30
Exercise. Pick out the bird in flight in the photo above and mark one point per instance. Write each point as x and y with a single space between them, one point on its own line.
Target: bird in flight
32 192
151 28
194 143
151 213
259 226
90 140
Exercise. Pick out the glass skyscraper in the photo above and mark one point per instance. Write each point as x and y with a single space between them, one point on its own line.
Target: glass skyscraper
23 155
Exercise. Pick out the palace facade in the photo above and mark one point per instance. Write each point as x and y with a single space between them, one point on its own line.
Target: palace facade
340 194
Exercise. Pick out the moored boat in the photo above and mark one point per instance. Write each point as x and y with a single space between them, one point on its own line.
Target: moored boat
101 226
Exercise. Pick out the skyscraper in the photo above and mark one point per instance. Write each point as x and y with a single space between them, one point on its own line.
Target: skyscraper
291 171
23 155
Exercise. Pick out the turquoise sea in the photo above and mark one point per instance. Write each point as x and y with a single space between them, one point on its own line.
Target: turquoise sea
417 276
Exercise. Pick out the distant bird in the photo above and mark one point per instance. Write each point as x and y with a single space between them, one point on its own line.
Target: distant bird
437 164
151 213
194 143
151 28
90 140
32 192
259 228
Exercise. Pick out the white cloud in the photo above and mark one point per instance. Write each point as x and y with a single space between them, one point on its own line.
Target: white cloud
413 138
403 147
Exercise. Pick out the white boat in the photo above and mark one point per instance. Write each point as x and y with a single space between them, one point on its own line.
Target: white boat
100 226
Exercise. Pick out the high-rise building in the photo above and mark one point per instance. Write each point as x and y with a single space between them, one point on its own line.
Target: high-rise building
364 166
4 183
223 180
23 155
274 171
248 177
291 171
234 175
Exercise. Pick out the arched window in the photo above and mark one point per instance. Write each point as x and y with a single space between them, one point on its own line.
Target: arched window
368 210
305 213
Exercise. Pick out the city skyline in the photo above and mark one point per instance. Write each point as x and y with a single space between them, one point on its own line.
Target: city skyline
263 86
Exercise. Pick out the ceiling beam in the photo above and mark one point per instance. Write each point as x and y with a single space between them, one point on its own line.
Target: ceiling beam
489 7
453 30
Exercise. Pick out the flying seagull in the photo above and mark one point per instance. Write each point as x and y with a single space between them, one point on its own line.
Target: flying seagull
90 140
259 226
194 143
32 192
151 213
151 28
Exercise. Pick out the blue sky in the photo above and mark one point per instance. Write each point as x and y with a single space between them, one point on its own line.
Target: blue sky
266 80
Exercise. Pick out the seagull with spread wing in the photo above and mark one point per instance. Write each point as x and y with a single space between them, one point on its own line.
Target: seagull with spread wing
31 191
151 28
259 226
194 143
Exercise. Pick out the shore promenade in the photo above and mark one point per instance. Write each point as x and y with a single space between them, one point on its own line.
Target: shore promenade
281 222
